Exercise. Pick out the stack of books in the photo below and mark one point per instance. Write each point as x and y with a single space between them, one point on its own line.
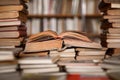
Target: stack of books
84 70
90 54
65 55
110 37
62 45
8 62
110 23
13 15
37 64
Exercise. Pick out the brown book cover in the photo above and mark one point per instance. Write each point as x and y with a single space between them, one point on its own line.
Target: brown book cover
48 40
11 42
87 51
111 16
117 24
11 8
12 2
12 34
22 54
43 46
114 30
11 23
90 57
114 20
113 12
13 28
14 14
10 51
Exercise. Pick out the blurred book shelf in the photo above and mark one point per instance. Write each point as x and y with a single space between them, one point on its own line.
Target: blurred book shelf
64 15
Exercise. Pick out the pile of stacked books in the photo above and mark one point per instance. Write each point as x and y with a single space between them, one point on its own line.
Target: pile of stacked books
47 50
13 16
35 58
90 54
110 37
110 24
38 64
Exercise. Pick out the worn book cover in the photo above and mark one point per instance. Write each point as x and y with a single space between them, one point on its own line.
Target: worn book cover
50 40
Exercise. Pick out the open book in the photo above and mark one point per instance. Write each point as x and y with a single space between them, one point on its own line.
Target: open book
50 40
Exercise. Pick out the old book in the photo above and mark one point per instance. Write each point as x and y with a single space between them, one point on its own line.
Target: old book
11 42
7 57
41 70
12 28
38 60
111 16
12 2
113 12
11 8
112 40
67 58
114 30
113 36
85 51
11 14
49 40
64 53
22 54
9 51
8 64
115 5
109 36
31 66
111 44
116 24
114 20
77 62
7 47
12 34
7 54
90 57
43 46
11 23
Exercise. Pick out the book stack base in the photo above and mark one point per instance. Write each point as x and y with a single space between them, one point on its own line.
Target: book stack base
110 37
